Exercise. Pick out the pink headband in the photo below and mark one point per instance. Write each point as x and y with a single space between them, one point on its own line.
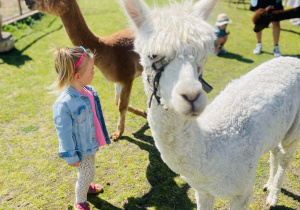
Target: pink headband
81 58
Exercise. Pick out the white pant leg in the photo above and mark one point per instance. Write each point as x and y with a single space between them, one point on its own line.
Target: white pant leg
85 175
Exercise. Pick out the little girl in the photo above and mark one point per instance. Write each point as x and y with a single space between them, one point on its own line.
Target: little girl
78 118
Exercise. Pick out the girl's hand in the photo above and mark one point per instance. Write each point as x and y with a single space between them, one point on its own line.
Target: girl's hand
75 164
228 32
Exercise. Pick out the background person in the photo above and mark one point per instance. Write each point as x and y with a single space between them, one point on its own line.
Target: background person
257 4
221 34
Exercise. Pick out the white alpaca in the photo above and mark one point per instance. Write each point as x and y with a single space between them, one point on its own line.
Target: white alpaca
216 152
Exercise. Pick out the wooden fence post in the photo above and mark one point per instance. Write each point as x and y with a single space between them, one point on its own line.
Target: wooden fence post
19 1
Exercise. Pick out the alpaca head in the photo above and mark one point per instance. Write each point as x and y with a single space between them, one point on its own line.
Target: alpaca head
262 18
52 7
179 37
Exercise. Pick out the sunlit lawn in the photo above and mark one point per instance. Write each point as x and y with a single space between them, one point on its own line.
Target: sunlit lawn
131 170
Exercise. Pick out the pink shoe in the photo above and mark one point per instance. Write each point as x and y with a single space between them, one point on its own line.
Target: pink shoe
82 206
95 188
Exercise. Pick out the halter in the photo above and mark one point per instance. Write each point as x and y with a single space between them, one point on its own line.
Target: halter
153 75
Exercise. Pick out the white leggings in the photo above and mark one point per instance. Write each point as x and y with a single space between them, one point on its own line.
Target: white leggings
85 175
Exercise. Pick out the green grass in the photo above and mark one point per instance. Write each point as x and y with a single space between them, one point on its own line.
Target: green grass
131 170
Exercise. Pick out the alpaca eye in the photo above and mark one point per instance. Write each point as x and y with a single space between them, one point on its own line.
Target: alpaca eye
152 56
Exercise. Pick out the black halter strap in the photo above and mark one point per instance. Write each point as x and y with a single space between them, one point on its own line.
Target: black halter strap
206 87
153 75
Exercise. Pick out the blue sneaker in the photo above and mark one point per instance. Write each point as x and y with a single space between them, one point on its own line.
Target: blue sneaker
276 51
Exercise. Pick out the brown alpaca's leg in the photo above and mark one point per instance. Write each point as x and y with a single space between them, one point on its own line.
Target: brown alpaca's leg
137 111
122 101
122 96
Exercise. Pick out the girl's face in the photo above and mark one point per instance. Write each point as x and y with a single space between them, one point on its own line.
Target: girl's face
86 73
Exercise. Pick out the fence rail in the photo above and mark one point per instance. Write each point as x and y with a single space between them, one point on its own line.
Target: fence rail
12 10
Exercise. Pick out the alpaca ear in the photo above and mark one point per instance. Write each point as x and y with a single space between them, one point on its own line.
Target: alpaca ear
203 8
137 10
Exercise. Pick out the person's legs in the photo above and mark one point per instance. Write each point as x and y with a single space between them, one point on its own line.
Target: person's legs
276 34
219 43
221 47
221 40
258 47
258 36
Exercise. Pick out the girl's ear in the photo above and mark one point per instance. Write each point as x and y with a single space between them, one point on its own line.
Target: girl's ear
203 8
137 11
76 77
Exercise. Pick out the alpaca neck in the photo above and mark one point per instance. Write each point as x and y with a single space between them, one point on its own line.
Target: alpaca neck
80 35
174 137
285 14
77 29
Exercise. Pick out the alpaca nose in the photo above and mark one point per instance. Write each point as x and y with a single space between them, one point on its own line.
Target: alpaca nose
191 97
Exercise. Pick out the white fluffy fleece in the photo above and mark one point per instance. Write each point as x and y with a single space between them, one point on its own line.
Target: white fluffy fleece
218 153
216 148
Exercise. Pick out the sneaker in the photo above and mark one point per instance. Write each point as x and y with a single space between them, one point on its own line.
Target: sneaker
95 188
257 49
82 206
297 22
276 51
223 50
216 53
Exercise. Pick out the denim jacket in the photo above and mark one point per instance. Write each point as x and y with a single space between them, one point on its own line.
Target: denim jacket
74 124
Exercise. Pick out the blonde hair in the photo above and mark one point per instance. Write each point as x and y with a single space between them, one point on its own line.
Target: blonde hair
65 60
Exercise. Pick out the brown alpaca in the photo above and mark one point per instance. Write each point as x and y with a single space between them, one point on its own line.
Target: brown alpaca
263 17
114 54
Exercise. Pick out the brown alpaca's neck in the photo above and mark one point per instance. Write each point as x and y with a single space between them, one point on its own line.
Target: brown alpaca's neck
77 29
80 35
285 14
112 53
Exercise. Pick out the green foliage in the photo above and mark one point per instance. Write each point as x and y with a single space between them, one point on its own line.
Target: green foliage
131 170
31 22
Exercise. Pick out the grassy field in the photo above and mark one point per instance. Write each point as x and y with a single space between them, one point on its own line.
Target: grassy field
131 170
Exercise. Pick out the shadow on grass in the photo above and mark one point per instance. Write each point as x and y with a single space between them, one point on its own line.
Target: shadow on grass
29 34
285 55
290 194
292 31
297 56
100 204
16 57
235 56
281 208
165 193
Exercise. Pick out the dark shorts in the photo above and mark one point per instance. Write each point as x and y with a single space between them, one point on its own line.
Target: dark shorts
265 3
